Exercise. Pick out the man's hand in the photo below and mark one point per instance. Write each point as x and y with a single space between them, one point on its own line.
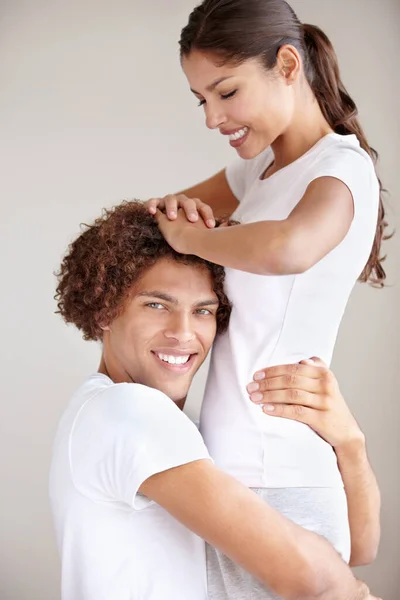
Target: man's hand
307 392
363 593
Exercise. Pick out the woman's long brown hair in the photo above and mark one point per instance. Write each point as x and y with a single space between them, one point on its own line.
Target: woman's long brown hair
237 30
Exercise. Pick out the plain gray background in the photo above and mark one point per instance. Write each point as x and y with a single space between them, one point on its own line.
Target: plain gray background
94 109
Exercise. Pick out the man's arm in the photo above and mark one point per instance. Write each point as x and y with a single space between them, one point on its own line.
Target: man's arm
363 501
291 561
309 393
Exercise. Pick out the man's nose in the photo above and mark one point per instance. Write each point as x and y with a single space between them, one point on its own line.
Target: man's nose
180 328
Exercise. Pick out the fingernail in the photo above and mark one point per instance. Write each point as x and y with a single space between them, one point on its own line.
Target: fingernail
172 214
253 387
193 216
268 407
210 222
260 375
256 397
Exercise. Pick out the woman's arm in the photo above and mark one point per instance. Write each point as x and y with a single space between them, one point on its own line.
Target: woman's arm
323 215
288 559
309 393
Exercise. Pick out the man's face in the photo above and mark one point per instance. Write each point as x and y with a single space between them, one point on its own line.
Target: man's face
166 329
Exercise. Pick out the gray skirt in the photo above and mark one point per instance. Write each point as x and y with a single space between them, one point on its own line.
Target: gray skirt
321 510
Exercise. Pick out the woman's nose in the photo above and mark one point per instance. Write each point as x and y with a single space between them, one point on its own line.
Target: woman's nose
214 117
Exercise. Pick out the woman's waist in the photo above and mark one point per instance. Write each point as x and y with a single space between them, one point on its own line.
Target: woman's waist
233 414
271 453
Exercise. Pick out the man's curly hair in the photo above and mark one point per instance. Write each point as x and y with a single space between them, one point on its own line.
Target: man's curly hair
108 257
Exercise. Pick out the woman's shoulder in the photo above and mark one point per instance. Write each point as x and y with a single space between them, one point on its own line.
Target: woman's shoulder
342 157
337 149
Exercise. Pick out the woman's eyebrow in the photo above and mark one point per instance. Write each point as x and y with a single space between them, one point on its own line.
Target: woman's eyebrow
213 85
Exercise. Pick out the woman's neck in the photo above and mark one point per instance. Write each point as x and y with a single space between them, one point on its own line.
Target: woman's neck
308 126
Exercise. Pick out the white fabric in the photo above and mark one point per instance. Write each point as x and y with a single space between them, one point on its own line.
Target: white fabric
114 543
284 319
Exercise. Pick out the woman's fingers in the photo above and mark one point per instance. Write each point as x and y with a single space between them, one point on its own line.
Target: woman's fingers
206 214
192 207
153 204
171 203
189 205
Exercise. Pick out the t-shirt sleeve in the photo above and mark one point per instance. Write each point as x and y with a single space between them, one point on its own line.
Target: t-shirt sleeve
241 173
355 169
123 436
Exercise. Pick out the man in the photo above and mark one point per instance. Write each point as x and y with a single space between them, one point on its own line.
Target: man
131 481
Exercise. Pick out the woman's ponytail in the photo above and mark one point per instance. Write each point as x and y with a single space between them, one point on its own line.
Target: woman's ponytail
340 111
238 30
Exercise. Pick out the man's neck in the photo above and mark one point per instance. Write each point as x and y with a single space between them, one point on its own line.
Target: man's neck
117 375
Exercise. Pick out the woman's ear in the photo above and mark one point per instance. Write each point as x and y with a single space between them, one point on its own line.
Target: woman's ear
289 63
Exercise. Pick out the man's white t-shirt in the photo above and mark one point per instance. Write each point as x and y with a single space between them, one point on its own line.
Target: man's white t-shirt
284 319
115 544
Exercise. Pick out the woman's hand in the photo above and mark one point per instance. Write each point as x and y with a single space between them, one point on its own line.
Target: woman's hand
307 392
192 208
179 233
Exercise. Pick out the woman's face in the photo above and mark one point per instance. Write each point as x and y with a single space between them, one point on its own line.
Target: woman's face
251 106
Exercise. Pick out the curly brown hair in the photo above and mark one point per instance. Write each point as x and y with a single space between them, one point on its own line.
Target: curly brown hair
108 257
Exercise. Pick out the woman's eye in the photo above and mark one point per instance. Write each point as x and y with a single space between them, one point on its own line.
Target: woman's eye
230 95
155 305
223 96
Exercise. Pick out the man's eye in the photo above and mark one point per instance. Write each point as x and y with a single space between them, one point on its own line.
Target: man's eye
155 305
230 95
204 311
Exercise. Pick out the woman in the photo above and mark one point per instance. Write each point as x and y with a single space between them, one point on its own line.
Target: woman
308 200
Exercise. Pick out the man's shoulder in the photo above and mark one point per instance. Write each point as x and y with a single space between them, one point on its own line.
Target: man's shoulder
124 416
99 398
